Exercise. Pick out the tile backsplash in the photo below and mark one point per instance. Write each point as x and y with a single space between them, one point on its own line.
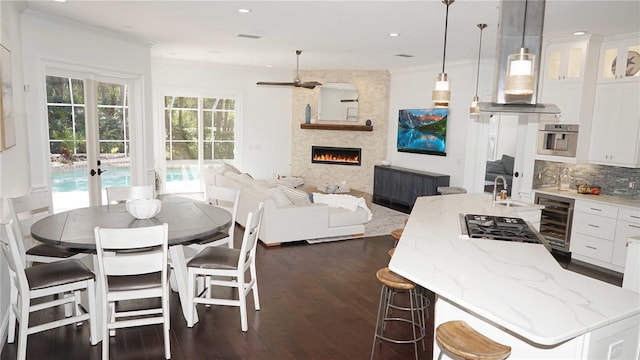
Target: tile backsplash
612 180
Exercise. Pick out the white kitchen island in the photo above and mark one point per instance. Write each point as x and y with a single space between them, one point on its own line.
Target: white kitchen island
514 293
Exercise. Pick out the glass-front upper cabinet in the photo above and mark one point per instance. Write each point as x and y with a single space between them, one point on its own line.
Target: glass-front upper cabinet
565 61
620 60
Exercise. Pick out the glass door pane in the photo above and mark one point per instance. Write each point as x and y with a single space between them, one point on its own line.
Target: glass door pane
67 142
88 138
182 172
113 136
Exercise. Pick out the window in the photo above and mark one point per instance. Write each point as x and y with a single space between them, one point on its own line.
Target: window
199 132
65 108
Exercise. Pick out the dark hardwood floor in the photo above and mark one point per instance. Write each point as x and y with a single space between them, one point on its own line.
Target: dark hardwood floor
317 302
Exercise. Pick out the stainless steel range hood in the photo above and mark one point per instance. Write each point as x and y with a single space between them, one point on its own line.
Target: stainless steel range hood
510 30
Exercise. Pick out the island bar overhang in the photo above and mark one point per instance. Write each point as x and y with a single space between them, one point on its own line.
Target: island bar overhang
515 293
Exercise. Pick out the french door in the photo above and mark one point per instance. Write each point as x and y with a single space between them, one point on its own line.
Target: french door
89 136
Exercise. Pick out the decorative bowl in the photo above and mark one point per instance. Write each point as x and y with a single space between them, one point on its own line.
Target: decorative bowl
330 189
143 208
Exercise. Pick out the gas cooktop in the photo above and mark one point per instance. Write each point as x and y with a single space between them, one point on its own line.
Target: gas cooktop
499 228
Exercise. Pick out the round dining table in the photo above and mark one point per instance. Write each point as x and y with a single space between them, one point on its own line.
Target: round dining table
188 221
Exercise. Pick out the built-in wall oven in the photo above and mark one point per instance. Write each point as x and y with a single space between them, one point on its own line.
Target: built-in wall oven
555 221
558 139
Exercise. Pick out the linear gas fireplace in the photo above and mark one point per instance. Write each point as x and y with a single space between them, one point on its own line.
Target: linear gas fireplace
335 155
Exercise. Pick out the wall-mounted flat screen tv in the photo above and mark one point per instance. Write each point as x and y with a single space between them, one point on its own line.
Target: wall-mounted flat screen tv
422 131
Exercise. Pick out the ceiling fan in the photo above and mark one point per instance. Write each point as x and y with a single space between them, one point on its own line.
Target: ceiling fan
296 82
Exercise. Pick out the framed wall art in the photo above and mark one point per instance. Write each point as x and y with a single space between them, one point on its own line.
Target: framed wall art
422 131
7 115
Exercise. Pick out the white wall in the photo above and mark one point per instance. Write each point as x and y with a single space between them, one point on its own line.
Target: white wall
411 88
48 40
14 170
264 139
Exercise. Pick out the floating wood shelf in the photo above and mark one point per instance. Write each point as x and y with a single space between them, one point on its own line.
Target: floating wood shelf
336 127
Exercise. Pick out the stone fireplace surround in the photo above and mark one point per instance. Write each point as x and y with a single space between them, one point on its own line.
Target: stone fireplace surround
373 104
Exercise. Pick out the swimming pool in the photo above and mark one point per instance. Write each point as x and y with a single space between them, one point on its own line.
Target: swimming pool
77 180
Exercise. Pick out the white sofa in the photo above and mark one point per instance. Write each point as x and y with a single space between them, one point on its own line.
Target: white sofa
286 223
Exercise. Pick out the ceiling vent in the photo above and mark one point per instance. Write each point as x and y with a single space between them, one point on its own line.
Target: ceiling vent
249 36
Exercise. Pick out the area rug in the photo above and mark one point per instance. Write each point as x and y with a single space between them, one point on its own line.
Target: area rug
383 221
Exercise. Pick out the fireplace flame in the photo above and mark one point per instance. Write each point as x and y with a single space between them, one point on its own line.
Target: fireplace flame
336 158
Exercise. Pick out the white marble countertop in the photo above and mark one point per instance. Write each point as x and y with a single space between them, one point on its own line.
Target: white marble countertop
602 198
517 286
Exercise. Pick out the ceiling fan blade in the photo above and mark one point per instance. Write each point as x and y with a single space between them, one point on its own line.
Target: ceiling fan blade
296 82
276 83
310 84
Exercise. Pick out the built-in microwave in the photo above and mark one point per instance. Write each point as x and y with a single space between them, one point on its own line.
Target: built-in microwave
558 139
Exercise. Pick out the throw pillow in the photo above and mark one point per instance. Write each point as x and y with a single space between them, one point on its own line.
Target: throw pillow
233 176
290 181
280 198
297 197
260 185
246 179
229 167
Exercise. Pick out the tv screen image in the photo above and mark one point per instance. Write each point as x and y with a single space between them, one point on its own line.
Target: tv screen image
422 131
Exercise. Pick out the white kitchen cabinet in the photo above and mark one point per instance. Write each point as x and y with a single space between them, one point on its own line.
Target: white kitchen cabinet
628 226
563 77
593 232
564 61
530 214
601 231
625 47
615 131
568 80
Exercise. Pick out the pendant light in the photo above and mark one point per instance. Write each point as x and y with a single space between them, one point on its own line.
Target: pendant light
441 94
519 79
474 109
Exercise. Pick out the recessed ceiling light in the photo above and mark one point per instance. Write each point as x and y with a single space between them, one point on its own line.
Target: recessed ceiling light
59 0
394 34
578 33
269 65
244 11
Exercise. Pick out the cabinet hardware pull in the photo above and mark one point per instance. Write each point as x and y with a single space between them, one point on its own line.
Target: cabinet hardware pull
635 217
595 226
596 209
634 226
591 247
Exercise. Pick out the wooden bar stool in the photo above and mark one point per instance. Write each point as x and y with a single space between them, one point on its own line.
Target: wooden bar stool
396 233
461 340
392 282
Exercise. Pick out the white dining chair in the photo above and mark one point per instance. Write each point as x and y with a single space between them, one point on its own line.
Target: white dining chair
25 211
222 266
118 194
132 265
32 287
228 199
